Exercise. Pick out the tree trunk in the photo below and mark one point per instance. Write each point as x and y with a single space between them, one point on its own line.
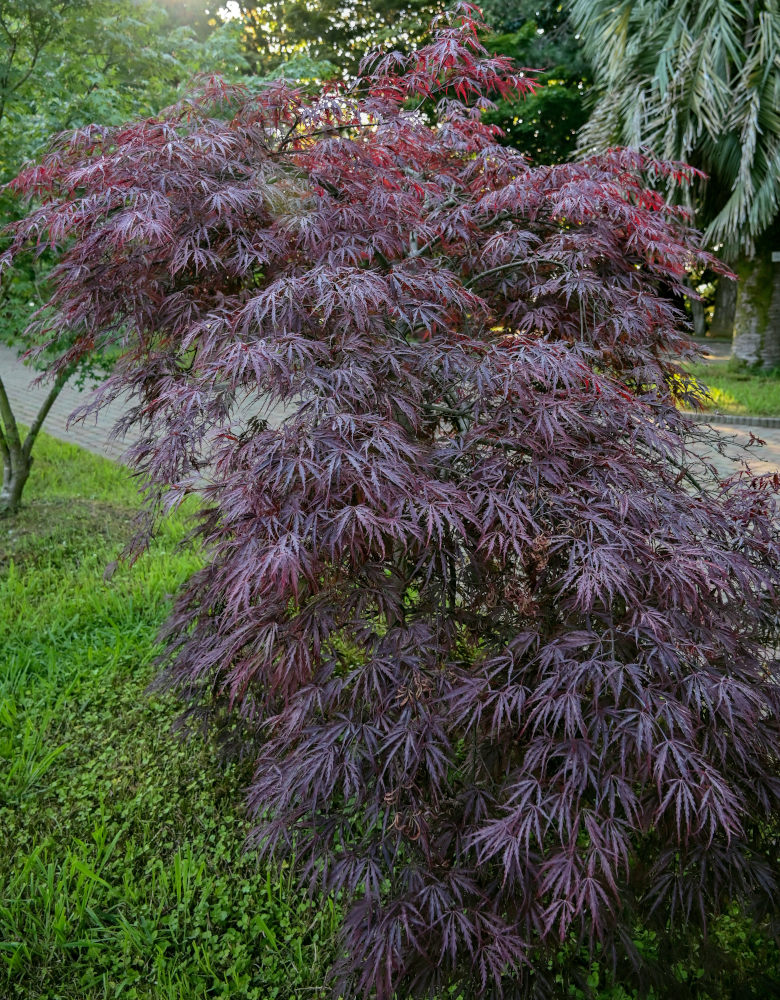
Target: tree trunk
722 325
770 357
17 454
697 315
757 318
15 475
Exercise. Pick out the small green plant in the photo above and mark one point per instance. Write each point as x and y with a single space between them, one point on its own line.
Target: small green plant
24 756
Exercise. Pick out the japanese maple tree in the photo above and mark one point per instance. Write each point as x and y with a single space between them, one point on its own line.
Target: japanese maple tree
501 645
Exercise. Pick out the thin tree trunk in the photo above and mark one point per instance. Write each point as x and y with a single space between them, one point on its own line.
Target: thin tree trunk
725 305
697 314
15 468
17 454
15 476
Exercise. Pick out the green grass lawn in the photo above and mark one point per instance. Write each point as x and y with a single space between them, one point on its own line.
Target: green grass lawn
738 390
122 872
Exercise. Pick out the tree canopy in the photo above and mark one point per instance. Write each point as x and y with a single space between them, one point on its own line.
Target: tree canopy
309 41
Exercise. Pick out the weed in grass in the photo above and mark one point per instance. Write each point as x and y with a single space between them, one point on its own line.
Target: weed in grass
24 754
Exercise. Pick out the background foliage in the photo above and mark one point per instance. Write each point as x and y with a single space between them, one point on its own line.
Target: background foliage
336 33
66 63
544 125
699 81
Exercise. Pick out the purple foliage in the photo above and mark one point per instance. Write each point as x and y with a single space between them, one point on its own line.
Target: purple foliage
503 646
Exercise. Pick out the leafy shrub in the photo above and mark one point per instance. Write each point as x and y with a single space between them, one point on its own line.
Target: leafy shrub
500 644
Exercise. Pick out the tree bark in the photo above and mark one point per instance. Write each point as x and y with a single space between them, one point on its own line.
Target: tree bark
757 317
722 325
770 357
17 454
15 476
697 315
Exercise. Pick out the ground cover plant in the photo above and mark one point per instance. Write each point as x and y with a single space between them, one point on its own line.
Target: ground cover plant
500 647
122 872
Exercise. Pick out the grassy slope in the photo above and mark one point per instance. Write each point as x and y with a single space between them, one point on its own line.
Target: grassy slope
122 873
737 390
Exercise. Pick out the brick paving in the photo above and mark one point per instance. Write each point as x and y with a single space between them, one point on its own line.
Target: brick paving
92 434
26 400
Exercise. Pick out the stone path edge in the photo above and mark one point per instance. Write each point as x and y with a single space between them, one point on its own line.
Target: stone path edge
737 419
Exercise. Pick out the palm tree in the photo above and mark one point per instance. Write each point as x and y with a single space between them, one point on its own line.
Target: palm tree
699 80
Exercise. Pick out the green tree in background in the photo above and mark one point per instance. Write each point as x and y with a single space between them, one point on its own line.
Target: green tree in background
200 16
330 34
309 39
699 80
537 34
67 62
63 64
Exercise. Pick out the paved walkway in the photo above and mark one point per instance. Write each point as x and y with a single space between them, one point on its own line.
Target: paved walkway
714 350
762 459
26 400
93 436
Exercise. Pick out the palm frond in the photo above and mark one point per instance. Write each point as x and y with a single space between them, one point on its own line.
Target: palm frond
695 80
